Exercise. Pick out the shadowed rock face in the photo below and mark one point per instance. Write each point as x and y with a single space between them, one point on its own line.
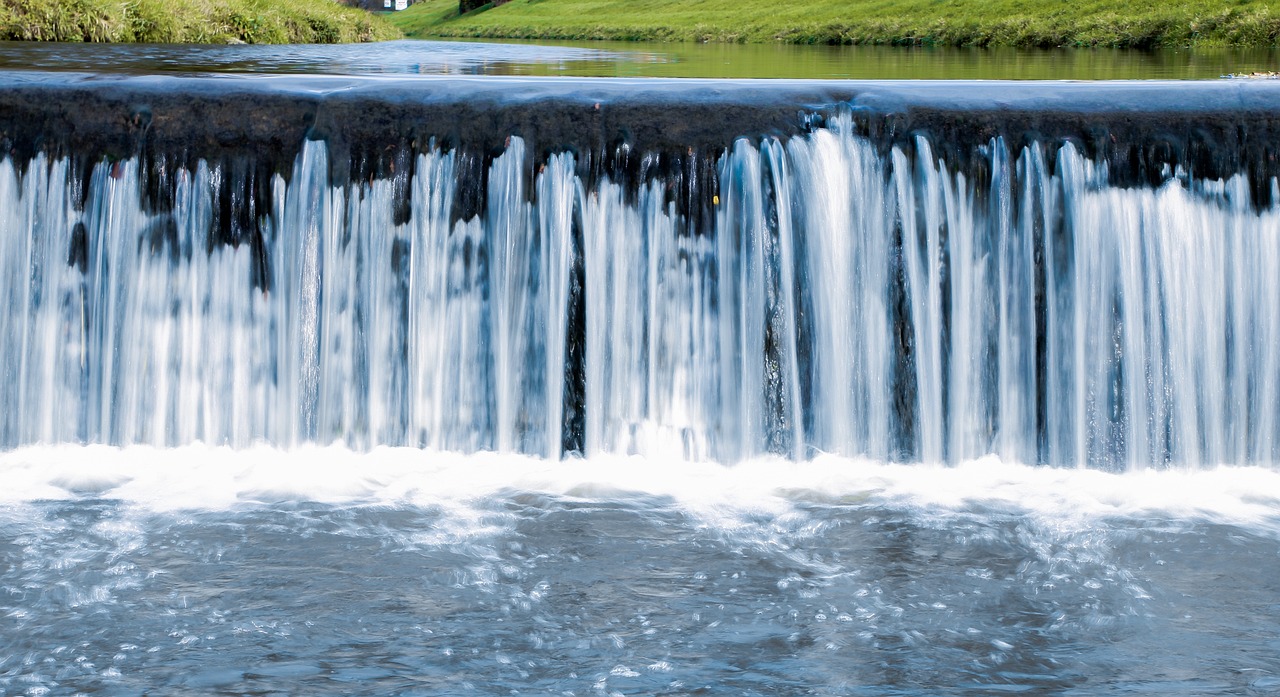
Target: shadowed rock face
373 125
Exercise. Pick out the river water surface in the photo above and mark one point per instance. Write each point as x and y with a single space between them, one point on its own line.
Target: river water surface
637 59
320 571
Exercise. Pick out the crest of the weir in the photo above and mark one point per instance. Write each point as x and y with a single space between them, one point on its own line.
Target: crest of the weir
919 282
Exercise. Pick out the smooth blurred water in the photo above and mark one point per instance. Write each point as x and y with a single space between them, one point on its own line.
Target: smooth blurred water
835 298
635 59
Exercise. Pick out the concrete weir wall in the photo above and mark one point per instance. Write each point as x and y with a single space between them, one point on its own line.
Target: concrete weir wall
1069 273
1213 129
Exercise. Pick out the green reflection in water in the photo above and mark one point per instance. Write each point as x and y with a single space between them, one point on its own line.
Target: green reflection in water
886 62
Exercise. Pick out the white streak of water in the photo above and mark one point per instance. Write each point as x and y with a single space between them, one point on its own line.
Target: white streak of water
842 300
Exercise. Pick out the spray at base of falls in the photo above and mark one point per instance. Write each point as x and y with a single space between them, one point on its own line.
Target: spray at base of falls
838 299
143 479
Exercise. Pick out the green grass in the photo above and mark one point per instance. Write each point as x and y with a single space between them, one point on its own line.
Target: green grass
1017 23
190 21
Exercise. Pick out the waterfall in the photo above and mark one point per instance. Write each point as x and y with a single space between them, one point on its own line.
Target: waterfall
845 296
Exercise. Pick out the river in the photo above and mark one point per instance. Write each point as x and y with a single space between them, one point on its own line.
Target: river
447 368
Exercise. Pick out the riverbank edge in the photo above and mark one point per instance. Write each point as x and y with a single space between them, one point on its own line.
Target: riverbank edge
1183 24
191 21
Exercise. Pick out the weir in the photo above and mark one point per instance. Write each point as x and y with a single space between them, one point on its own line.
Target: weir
1077 275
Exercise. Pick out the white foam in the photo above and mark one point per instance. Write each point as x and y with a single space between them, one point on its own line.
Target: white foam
199 477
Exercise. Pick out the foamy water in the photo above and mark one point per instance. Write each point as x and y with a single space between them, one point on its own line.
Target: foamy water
202 478
321 570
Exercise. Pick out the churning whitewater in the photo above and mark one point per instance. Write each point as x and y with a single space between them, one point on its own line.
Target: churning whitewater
841 298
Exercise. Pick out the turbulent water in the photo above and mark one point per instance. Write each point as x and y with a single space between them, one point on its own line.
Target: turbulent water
823 414
322 571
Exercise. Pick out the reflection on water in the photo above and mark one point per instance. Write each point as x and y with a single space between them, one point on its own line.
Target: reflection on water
395 57
616 59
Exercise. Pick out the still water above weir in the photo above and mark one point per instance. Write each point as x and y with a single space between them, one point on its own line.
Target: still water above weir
638 59
397 385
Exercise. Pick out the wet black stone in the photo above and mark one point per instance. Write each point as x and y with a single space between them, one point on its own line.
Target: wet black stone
161 238
78 254
628 129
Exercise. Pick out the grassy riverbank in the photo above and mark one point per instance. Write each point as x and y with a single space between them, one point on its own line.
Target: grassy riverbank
190 21
1019 23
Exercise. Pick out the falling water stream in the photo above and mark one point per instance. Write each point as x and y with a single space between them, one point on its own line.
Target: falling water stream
838 301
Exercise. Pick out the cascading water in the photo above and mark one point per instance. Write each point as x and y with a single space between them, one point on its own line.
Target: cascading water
841 300
438 386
